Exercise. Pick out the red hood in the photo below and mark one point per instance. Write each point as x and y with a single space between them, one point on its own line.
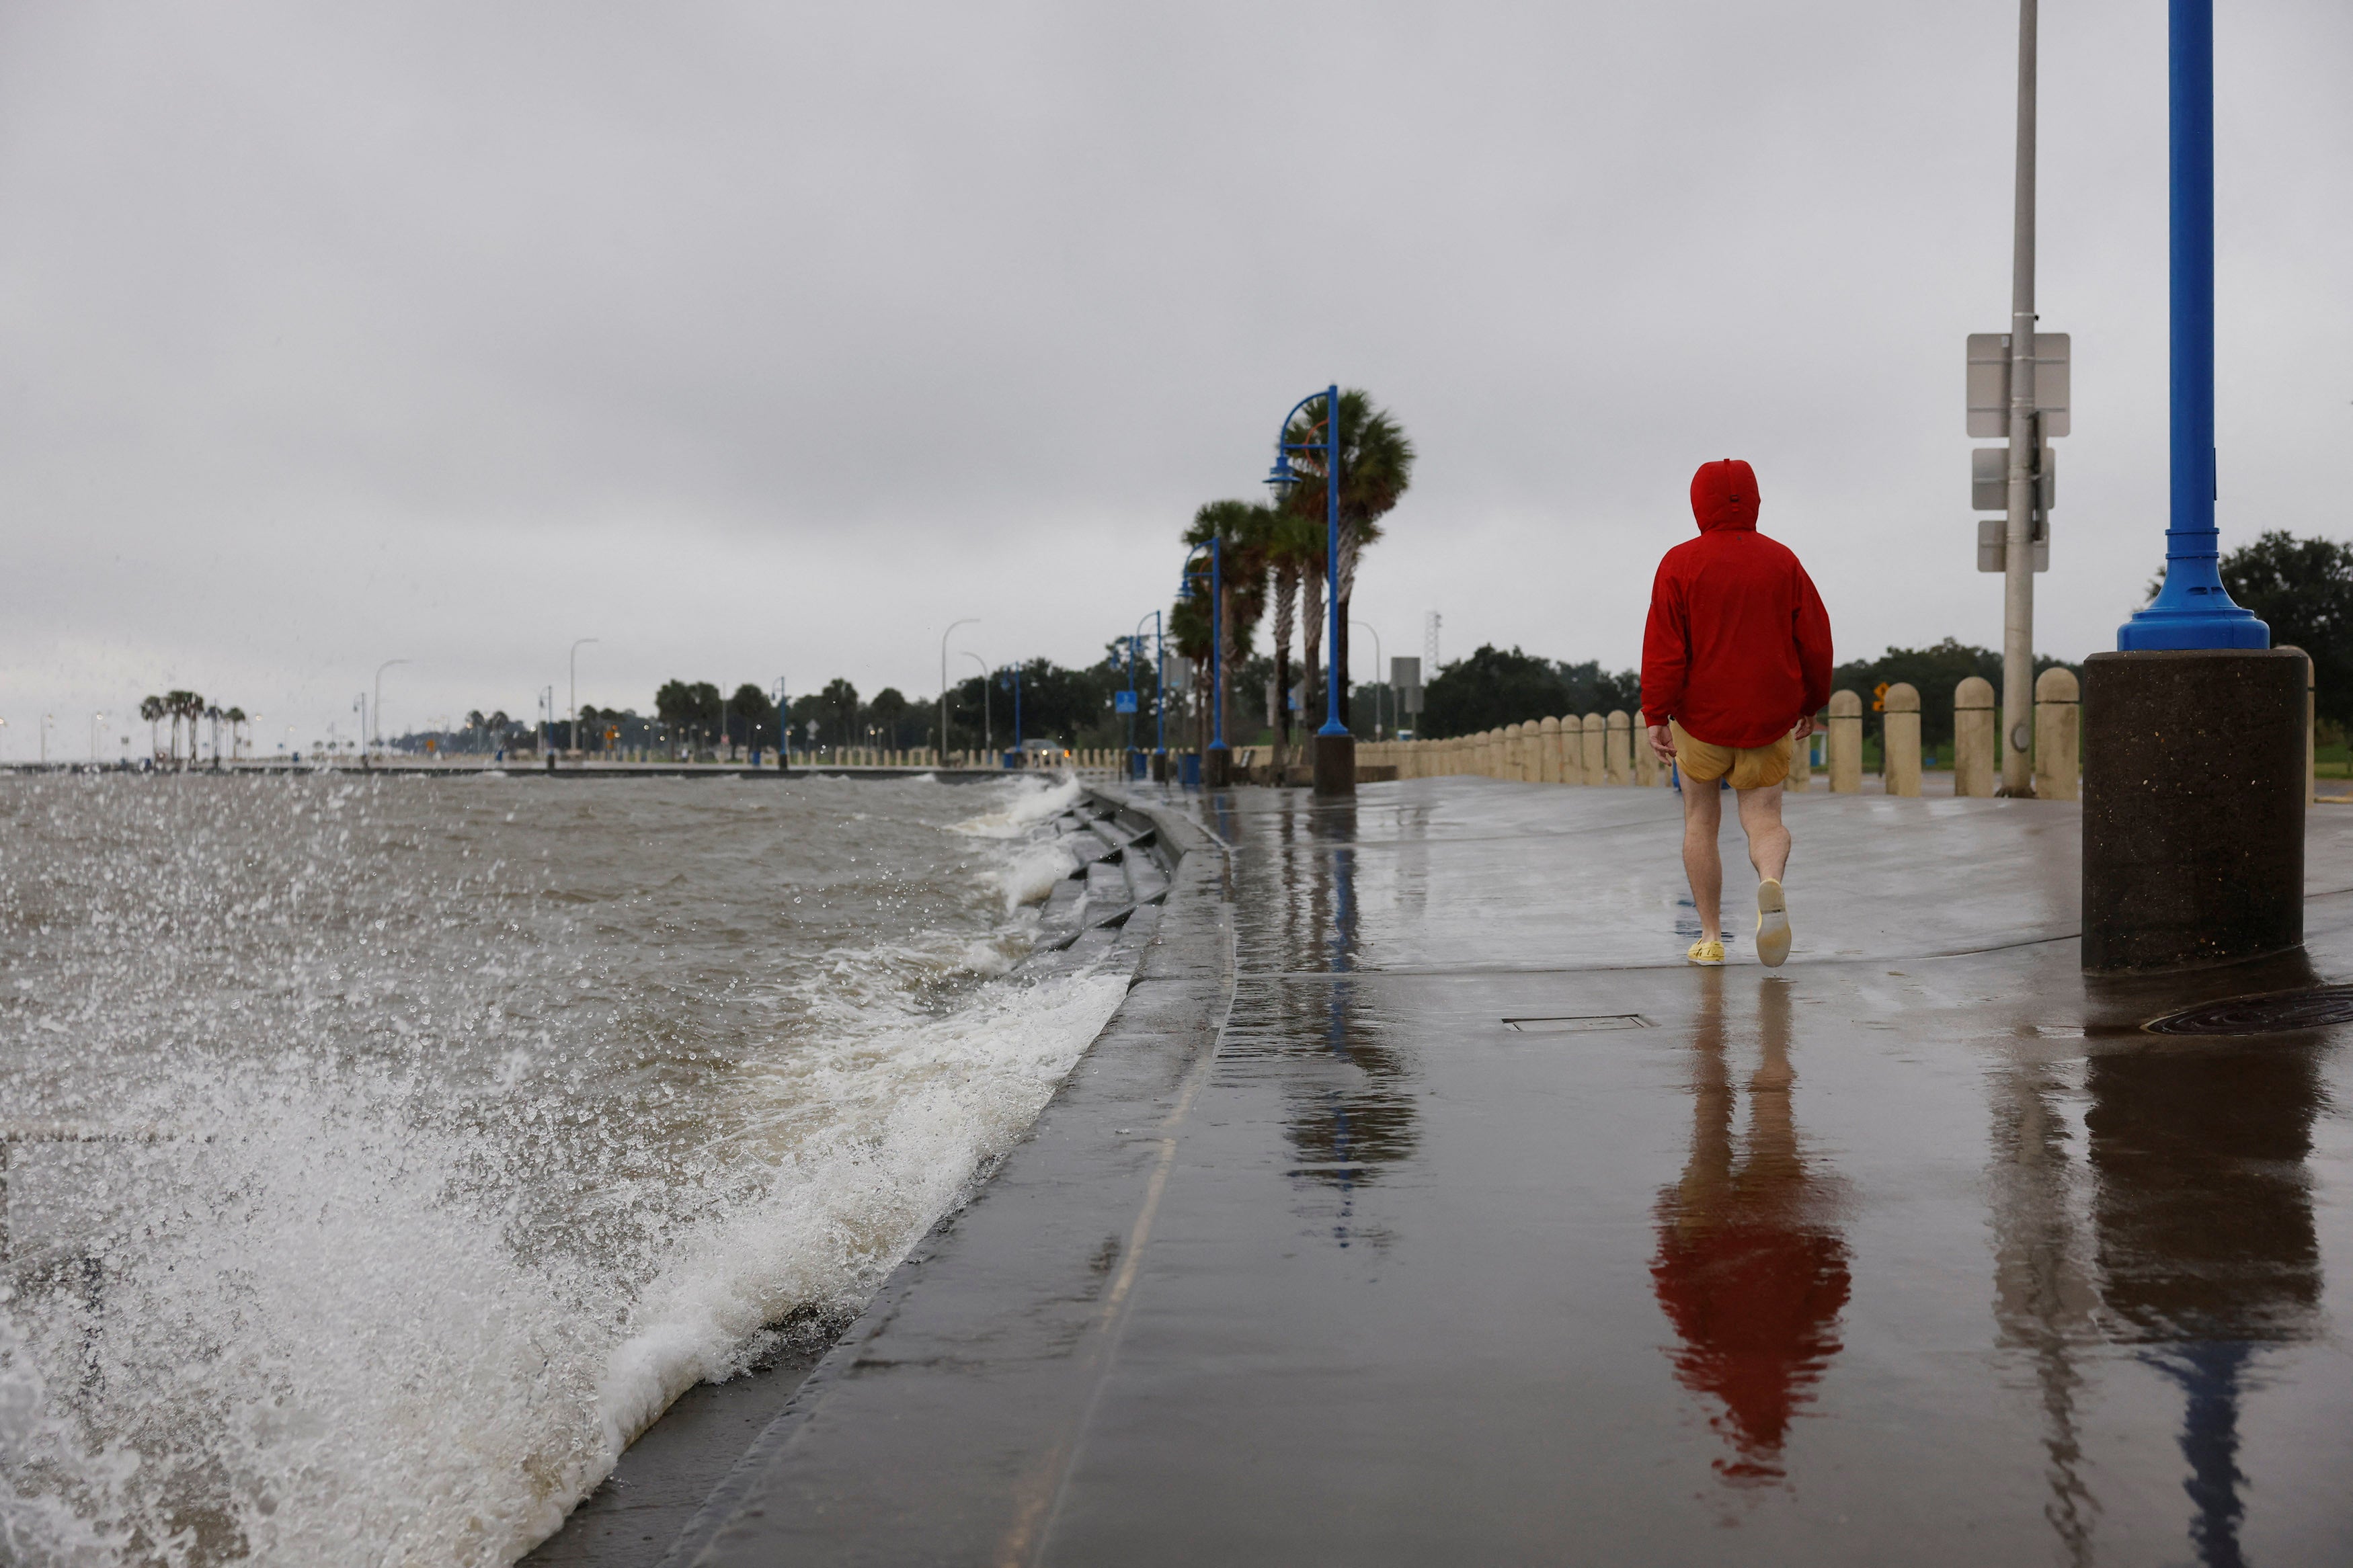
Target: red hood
1724 495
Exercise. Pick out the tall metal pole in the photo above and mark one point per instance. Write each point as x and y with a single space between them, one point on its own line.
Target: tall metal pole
1332 725
1216 644
1381 664
968 621
1159 684
2018 531
2193 610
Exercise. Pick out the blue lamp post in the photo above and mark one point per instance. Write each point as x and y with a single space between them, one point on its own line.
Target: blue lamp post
2193 610
1218 764
1160 691
1336 749
1014 680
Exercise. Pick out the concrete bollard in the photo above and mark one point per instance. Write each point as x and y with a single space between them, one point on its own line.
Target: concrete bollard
1646 761
1801 766
2058 737
1846 743
1548 751
1900 739
1617 761
1974 736
1570 750
1515 765
1592 748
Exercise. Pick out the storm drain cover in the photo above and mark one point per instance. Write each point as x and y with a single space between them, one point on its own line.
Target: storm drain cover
1583 1026
2274 1013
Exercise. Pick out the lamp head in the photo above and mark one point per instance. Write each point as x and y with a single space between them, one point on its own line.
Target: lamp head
1282 478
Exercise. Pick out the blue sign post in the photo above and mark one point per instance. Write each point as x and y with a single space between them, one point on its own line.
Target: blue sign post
2193 610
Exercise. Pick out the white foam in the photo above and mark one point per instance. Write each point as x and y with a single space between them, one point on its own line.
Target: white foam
1034 801
352 1308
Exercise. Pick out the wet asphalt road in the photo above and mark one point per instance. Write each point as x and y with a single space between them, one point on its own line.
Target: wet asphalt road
1491 1233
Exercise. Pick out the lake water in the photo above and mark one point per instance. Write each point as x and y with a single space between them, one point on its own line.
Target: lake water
387 1152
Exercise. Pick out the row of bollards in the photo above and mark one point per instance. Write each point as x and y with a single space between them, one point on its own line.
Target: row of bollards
1593 749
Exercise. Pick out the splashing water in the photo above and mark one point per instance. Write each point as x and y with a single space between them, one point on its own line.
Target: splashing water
389 1152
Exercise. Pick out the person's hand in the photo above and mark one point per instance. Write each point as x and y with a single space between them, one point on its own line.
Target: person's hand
1662 743
1805 726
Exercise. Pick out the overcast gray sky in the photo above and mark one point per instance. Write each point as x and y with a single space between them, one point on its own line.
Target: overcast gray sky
765 340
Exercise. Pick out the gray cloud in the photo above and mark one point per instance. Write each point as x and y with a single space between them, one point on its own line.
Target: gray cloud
763 341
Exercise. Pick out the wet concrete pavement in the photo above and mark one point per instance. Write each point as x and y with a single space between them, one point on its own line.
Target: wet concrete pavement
1486 1231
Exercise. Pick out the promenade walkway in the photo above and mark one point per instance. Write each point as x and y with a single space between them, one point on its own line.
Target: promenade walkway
1485 1231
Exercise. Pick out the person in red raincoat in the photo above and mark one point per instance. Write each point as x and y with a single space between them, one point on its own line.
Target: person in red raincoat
1736 663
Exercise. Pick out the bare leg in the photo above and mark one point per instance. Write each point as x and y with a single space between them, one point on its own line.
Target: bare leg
1703 814
1768 841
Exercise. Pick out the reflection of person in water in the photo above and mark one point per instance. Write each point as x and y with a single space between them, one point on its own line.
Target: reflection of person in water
1750 1269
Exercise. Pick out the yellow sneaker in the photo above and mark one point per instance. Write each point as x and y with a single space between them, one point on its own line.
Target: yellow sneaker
1772 925
1705 952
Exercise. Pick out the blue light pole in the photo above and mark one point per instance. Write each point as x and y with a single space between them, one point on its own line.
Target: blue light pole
1016 672
1215 765
1159 686
1335 752
2193 610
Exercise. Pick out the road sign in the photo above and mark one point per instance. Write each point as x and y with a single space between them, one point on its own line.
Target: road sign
1988 384
1993 543
1122 702
1989 478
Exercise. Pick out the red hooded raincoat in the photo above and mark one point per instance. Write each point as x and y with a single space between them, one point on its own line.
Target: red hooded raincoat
1739 645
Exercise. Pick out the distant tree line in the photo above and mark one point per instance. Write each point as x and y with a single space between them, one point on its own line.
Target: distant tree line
1494 686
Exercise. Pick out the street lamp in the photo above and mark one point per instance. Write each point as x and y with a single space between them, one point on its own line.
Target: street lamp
369 737
1380 666
1159 686
987 729
968 621
572 725
95 721
1335 749
783 730
1216 767
46 719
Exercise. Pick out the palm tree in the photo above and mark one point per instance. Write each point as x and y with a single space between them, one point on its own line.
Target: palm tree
1295 548
183 704
1244 531
152 709
1376 469
235 717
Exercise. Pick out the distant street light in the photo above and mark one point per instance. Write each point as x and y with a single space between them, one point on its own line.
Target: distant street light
1381 663
987 733
1159 681
46 719
572 725
95 721
968 621
367 736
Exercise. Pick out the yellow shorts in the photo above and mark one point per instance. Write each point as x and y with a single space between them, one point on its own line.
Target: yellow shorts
1751 767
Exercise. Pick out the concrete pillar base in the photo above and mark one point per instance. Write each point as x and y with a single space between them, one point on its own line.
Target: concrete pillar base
1335 765
2193 808
1218 769
1159 767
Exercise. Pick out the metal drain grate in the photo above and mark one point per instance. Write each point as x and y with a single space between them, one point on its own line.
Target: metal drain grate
1578 1025
2274 1013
